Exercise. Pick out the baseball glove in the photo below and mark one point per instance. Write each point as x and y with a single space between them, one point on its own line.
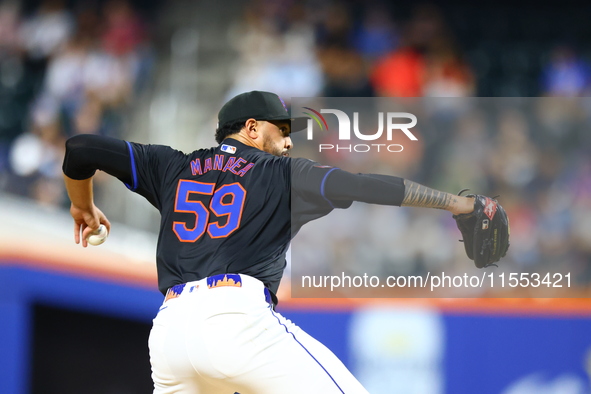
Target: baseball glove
485 231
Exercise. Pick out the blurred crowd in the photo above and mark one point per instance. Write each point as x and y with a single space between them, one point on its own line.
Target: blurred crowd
348 49
351 48
63 71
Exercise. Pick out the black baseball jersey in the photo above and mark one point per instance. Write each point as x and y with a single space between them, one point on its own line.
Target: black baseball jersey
228 209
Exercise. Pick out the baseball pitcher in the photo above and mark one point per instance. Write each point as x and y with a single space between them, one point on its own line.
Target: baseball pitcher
228 214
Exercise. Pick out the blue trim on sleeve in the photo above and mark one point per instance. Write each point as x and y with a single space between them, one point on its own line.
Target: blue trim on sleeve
133 169
322 186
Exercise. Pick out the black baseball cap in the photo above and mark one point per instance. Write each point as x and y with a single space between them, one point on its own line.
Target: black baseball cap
260 106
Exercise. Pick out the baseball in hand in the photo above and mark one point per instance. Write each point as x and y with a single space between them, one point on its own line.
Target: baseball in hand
98 236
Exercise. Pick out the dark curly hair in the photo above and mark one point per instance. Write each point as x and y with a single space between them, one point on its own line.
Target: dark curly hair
227 129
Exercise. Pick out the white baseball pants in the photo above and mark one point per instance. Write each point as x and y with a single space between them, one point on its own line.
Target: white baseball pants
227 339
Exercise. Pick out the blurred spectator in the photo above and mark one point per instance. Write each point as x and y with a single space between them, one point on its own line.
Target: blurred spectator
400 74
79 73
335 29
88 118
446 74
9 20
517 160
426 64
376 35
566 74
124 31
36 156
464 161
275 54
65 75
125 38
11 75
344 68
345 73
47 29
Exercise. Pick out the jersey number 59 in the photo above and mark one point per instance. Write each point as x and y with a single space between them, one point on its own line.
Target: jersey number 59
228 200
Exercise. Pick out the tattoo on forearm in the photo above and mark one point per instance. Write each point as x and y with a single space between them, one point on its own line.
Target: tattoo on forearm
416 195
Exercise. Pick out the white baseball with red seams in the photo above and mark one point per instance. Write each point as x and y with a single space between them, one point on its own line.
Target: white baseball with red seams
98 236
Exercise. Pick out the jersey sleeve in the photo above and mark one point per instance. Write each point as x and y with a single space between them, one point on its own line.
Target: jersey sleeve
152 167
86 153
340 188
142 168
309 180
368 188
